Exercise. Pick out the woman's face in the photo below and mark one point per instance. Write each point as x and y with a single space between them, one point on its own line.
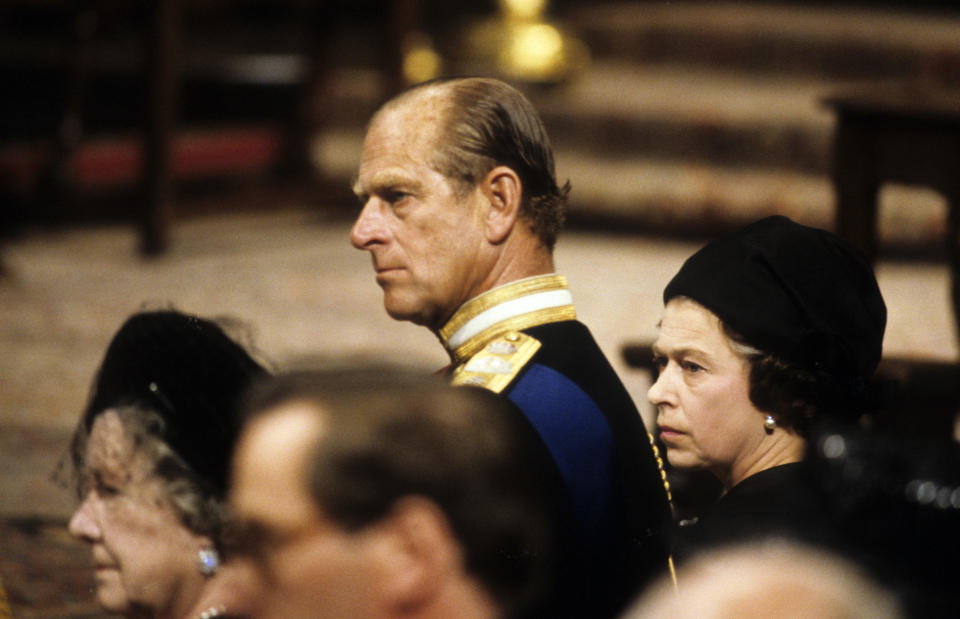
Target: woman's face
144 557
704 413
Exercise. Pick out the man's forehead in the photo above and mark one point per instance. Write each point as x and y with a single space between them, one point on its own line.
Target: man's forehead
428 104
271 463
406 126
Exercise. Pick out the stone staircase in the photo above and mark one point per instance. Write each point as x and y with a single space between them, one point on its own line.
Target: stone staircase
694 117
702 115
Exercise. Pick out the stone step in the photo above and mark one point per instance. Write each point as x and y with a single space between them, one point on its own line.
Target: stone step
839 42
702 199
668 112
693 114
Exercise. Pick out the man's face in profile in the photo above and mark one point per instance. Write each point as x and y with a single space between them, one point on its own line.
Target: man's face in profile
308 566
424 236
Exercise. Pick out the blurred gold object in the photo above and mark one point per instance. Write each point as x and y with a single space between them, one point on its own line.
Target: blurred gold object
523 9
420 61
520 44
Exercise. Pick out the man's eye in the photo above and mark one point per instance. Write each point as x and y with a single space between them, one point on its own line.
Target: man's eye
659 362
395 197
692 367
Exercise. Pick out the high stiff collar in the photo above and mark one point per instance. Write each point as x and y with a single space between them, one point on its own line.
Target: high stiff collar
515 306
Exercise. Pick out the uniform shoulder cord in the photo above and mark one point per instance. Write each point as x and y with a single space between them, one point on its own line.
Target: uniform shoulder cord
666 487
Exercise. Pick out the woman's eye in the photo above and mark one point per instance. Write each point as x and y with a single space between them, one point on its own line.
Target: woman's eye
105 489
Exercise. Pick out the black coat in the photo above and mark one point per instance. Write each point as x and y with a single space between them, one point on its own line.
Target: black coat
609 495
783 501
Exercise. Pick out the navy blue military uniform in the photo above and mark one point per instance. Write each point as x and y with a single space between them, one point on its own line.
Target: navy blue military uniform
609 498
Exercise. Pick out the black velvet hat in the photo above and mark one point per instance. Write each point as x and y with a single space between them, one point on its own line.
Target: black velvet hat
191 373
799 293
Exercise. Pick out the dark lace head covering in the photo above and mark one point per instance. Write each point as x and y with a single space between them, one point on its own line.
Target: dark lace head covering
191 373
799 293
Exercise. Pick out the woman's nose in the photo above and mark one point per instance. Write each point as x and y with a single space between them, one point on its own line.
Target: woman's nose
660 392
82 524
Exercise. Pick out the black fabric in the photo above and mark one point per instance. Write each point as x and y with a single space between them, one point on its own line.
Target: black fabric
796 292
190 372
896 501
782 501
885 504
600 581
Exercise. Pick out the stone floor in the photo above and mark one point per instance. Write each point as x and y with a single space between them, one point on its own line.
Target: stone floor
290 275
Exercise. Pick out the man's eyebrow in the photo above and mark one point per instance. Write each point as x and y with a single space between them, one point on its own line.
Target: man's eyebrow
385 179
355 186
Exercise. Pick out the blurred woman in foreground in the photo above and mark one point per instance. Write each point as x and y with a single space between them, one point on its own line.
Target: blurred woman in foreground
151 456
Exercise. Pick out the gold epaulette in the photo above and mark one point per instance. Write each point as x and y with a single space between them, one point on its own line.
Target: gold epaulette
498 362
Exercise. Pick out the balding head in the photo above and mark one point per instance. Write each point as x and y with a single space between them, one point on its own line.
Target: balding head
483 123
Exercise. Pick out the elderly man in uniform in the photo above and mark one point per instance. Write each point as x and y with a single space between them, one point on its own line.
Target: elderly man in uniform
461 211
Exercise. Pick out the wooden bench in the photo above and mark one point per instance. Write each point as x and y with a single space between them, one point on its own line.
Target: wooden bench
907 133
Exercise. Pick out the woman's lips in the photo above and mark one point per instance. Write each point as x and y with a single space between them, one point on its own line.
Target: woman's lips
669 432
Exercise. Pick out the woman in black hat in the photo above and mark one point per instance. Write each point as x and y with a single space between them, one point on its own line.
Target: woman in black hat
768 335
151 456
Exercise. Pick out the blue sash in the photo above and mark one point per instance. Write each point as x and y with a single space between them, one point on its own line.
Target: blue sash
578 437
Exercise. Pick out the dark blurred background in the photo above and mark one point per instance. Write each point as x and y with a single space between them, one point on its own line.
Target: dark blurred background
105 98
200 152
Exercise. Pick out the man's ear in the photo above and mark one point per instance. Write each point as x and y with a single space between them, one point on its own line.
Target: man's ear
502 188
420 552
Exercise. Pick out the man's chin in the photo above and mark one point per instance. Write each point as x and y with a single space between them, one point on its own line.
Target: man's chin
407 312
406 315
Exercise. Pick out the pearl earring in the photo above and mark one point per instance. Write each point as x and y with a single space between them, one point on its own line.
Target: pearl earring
769 424
208 560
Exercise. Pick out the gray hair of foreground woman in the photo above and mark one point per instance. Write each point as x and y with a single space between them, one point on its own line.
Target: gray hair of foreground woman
174 380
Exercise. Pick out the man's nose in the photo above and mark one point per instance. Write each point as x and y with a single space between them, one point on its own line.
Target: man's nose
368 228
